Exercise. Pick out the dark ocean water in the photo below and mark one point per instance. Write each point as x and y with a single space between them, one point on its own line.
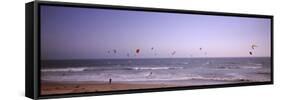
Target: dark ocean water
165 70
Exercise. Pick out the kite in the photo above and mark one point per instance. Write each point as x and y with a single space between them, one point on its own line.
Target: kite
114 50
174 52
250 53
254 46
137 51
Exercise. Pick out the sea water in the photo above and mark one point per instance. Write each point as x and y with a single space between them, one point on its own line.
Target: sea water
178 71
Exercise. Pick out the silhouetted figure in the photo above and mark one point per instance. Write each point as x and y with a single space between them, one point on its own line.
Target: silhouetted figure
149 75
110 80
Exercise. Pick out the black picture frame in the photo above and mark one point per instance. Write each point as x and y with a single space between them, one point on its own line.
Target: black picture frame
32 70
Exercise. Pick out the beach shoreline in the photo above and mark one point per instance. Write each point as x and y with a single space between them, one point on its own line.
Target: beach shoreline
49 88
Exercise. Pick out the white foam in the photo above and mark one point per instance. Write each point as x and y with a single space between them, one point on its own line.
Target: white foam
64 69
251 67
72 69
155 68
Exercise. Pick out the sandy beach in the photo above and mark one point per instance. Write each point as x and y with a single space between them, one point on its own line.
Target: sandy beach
49 88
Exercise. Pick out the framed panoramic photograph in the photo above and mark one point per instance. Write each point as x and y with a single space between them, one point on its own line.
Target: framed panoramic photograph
75 49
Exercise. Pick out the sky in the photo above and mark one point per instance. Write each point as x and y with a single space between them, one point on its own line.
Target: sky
88 33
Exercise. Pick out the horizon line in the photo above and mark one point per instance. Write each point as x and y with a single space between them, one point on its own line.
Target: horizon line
155 58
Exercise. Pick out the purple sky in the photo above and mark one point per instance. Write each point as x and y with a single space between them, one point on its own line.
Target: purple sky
87 33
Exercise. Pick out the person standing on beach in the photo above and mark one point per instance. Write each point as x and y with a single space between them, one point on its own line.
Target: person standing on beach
110 80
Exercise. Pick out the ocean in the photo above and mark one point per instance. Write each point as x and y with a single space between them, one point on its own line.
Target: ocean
175 71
